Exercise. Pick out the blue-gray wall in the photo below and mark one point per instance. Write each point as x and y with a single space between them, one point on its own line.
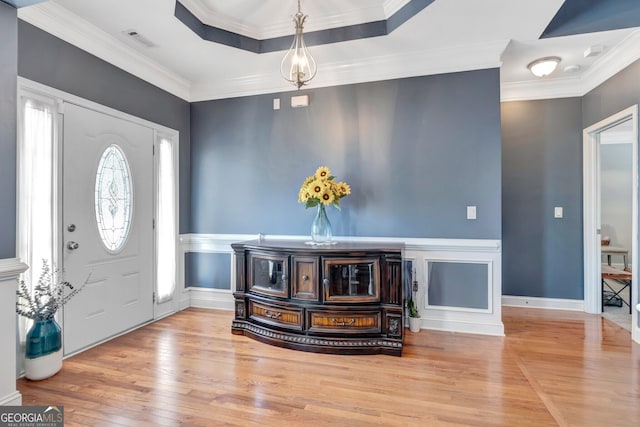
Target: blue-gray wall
619 92
457 284
8 73
541 169
53 62
415 151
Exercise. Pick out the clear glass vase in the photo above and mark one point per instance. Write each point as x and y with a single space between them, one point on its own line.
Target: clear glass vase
321 227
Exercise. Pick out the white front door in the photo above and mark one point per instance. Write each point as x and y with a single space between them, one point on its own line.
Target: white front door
107 213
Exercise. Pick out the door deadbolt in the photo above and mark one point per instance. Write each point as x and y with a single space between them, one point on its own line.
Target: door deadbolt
72 246
71 227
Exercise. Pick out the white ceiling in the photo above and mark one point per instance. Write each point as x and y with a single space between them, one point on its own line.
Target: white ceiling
447 36
263 19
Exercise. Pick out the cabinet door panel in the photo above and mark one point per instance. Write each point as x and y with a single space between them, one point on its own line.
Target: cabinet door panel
268 275
305 278
351 280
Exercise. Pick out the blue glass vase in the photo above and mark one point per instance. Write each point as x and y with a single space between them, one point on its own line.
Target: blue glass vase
321 227
44 337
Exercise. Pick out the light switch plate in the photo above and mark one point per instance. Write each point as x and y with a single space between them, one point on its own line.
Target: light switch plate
557 212
471 212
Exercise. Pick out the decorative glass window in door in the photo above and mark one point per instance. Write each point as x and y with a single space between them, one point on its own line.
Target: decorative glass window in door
113 198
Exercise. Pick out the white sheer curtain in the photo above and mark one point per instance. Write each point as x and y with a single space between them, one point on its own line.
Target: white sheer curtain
166 222
36 212
36 190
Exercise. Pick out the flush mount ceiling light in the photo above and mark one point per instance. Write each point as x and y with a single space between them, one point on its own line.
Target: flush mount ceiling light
544 66
298 66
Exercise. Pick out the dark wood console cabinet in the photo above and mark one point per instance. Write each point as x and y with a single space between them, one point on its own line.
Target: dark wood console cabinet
344 298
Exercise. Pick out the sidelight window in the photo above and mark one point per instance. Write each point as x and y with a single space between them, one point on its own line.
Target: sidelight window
166 216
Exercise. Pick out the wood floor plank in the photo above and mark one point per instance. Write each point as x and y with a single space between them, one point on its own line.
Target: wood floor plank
552 368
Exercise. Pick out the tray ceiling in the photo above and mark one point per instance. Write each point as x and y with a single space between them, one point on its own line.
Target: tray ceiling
445 36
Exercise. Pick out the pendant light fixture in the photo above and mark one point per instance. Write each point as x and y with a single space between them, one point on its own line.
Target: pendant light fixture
298 66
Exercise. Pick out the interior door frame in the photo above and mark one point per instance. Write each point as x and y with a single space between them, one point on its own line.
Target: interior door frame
591 213
28 87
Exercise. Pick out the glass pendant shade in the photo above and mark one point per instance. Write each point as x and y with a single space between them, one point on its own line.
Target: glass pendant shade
298 66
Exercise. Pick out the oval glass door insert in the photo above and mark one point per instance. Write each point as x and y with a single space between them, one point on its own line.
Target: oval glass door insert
113 198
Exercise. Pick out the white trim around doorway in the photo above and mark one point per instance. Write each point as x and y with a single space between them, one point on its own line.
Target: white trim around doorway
591 212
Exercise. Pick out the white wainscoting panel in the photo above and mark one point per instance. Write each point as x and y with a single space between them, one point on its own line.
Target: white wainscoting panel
454 319
220 299
460 319
10 269
201 297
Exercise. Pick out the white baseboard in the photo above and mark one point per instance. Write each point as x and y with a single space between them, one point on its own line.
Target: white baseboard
462 326
211 298
185 299
13 399
548 303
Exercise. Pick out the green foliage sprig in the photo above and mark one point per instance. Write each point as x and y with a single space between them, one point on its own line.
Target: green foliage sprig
411 306
47 296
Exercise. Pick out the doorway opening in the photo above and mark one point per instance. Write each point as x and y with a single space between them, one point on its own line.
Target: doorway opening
598 234
615 171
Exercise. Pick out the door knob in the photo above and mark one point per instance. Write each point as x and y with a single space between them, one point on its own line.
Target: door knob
72 246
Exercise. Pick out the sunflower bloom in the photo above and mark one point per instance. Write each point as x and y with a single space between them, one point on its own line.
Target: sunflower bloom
323 172
316 188
303 195
327 197
343 188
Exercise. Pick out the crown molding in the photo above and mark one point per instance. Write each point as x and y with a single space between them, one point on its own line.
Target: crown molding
531 90
60 22
612 62
284 26
384 67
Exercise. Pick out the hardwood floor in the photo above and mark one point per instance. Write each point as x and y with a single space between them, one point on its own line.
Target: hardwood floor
552 368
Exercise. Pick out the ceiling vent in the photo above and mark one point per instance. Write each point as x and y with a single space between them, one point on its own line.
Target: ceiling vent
138 38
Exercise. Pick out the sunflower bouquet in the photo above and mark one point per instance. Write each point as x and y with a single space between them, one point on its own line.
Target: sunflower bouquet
321 188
